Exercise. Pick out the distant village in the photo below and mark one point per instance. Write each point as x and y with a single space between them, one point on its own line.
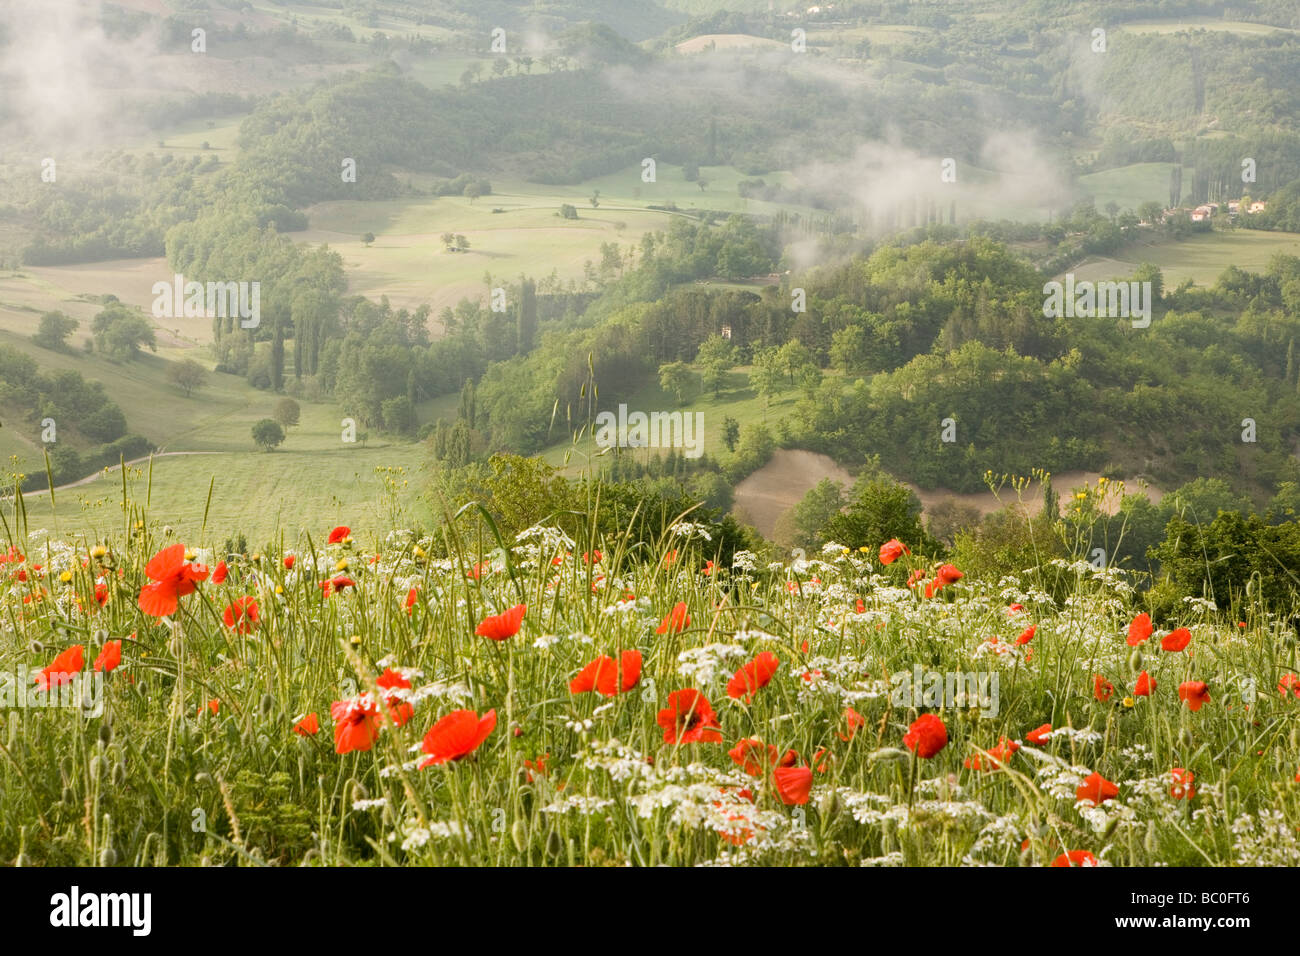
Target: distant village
1208 211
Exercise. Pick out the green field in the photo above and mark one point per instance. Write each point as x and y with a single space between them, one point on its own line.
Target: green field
1201 258
1182 24
313 473
409 264
1128 186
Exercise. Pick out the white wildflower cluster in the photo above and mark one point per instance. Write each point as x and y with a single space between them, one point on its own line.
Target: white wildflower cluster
894 858
690 531
1204 605
1265 840
946 812
745 561
374 804
864 806
578 805
1079 736
550 640
414 835
456 693
1111 812
622 763
550 538
945 787
998 835
1061 781
1137 753
706 665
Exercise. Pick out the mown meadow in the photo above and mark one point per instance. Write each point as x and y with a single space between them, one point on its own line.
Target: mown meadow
546 700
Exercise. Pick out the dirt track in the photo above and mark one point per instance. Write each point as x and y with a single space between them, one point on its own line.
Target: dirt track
768 493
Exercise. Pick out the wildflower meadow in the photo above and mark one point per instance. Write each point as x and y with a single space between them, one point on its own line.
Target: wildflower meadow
551 701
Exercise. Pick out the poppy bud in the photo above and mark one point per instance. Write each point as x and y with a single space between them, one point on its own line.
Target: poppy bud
267 705
36 647
1135 659
1185 737
829 805
203 777
119 773
553 844
108 857
1149 842
519 833
96 766
359 792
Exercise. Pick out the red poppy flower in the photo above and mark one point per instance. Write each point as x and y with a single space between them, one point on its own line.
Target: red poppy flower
854 721
753 756
689 719
101 593
606 678
891 550
752 676
173 578
1038 736
504 625
670 557
1014 609
999 756
339 534
332 586
412 596
793 784
675 621
1289 685
1096 790
945 575
1102 689
60 670
1182 788
1176 640
537 766
219 573
926 736
211 706
1027 635
241 615
1075 858
859 607
309 726
356 723
288 562
456 736
399 711
110 655
1195 692
1139 629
